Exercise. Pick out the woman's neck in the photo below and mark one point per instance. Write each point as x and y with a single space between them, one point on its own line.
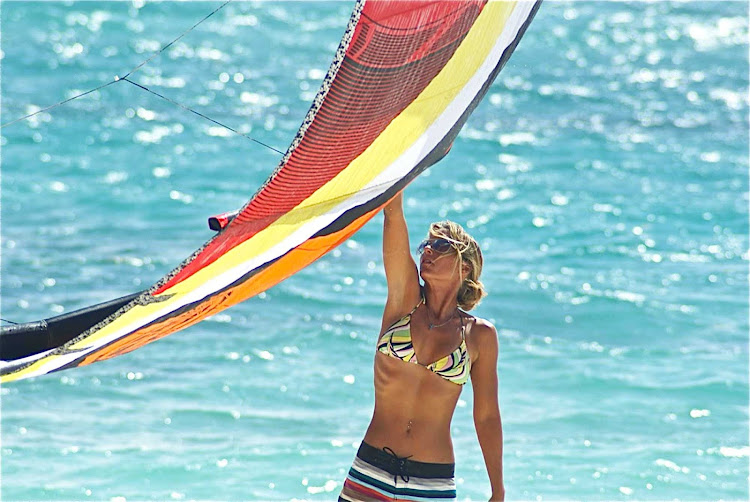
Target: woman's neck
441 302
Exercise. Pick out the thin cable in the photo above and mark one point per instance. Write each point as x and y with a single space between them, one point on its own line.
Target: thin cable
175 40
201 115
116 78
57 104
5 320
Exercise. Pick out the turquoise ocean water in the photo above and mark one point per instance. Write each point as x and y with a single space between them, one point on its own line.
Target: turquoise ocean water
605 176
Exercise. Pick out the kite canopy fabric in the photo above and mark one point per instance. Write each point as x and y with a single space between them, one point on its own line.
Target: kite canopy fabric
405 78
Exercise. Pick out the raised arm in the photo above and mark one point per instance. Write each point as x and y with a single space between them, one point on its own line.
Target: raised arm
400 269
486 408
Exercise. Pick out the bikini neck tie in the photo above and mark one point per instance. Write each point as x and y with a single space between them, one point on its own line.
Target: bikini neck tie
400 463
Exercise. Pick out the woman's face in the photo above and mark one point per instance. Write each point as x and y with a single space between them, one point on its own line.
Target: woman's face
439 259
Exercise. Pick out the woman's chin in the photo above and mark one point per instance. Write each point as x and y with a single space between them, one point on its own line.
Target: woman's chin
425 273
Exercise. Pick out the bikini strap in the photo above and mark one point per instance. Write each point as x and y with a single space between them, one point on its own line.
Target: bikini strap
417 306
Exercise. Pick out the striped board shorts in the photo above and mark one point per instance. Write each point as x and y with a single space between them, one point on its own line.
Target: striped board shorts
381 475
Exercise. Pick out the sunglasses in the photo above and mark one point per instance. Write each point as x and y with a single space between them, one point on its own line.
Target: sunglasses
438 245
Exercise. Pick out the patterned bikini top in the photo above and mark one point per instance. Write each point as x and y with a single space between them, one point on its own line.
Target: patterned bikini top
396 342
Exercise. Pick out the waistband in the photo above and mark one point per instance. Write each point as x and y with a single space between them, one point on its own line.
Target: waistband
387 460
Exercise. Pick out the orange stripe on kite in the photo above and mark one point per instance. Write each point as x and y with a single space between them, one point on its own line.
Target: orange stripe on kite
289 264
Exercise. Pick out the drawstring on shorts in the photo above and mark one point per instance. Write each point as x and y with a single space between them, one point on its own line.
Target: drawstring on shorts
400 463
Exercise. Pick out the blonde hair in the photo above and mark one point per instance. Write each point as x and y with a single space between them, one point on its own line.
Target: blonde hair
472 290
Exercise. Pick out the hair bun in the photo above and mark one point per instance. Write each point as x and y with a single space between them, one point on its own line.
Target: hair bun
470 294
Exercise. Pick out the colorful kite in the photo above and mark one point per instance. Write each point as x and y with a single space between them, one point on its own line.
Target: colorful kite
405 78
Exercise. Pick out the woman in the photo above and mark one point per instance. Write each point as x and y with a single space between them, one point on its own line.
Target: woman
407 449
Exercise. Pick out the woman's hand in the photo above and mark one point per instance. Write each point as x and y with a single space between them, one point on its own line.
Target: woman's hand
395 205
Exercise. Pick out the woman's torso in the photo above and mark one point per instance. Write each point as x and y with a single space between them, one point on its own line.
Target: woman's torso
414 404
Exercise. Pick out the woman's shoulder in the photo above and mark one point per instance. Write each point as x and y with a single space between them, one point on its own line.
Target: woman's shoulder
479 324
481 331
